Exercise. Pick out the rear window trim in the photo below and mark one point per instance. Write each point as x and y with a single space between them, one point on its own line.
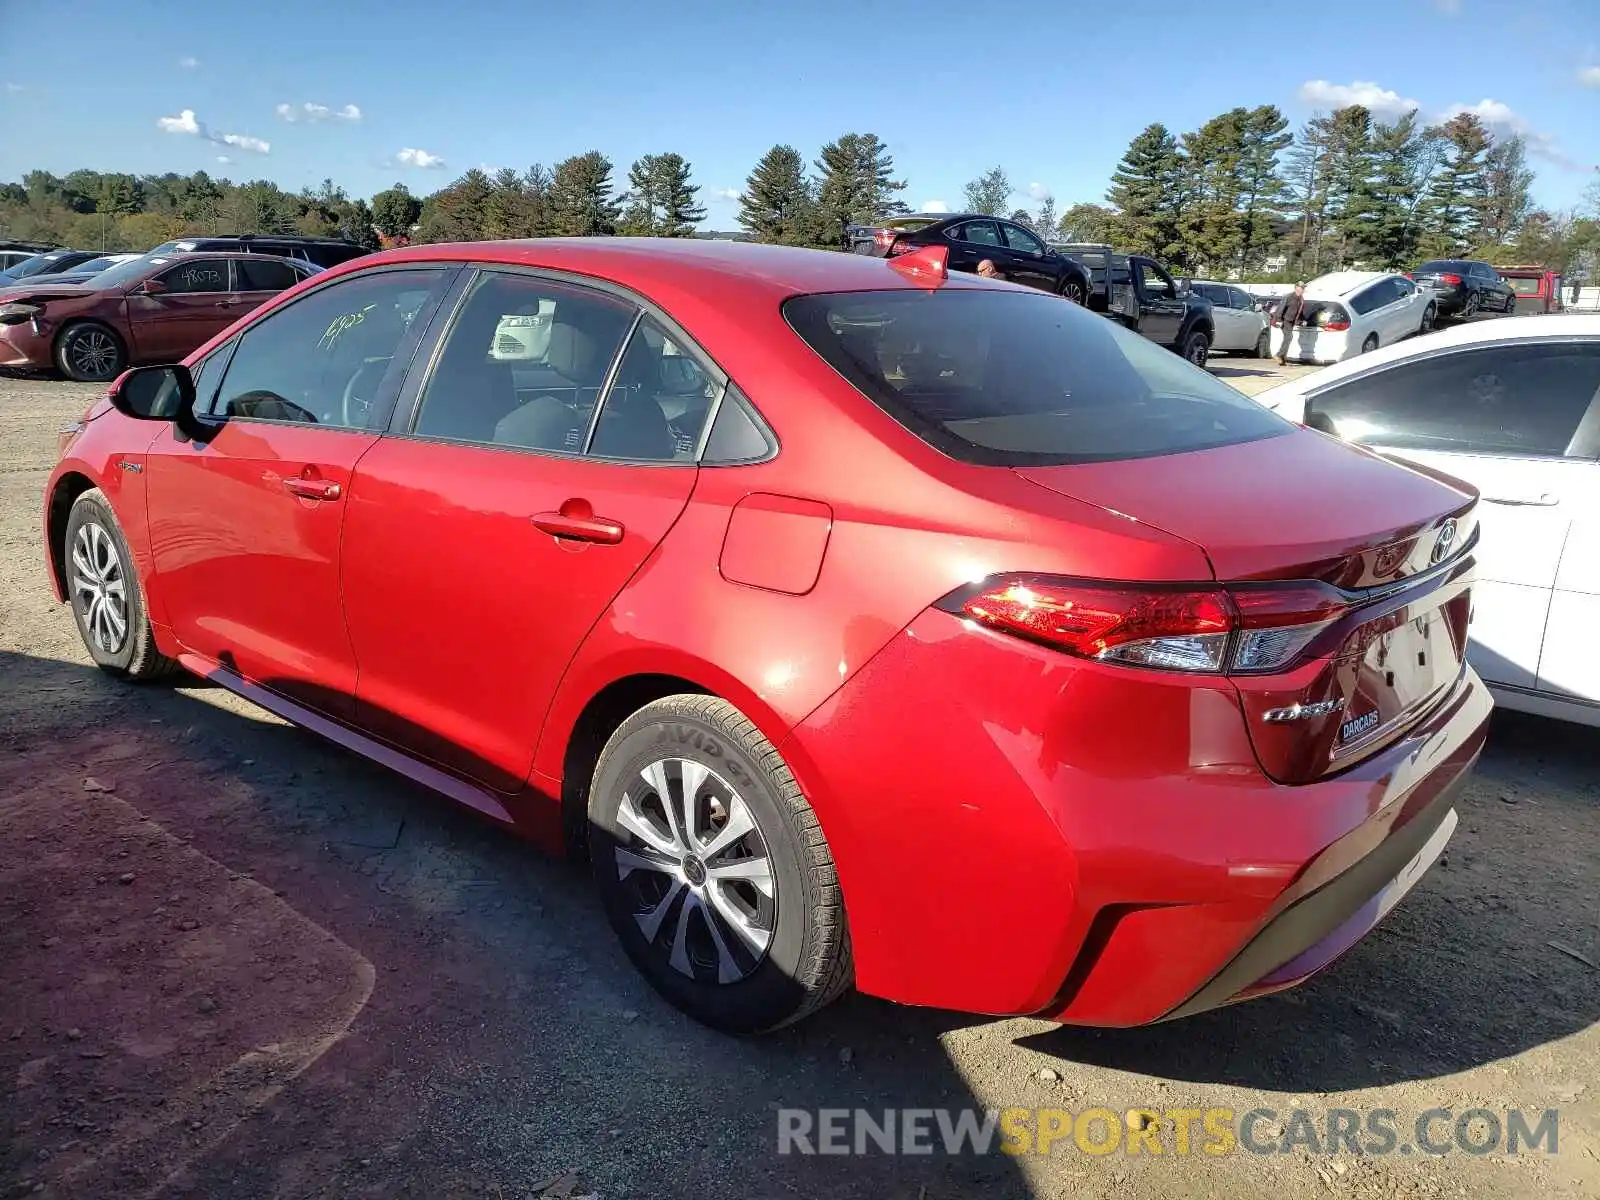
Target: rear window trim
958 449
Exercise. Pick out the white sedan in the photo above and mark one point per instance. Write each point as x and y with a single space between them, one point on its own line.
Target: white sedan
1513 408
1354 312
1240 326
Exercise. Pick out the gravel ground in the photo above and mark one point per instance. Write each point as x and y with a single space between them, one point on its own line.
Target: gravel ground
241 963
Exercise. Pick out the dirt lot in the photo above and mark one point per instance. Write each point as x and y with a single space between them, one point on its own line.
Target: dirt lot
241 963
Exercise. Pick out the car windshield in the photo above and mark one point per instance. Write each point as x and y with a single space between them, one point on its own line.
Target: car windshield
1525 285
94 265
125 272
1021 379
31 266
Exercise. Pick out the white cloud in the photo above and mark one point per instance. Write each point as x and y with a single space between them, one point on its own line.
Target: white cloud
318 112
1500 120
224 159
412 157
184 122
935 206
188 62
726 193
243 141
14 88
1038 191
187 123
1381 102
1589 77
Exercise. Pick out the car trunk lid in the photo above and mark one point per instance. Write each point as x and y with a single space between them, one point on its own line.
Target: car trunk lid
1377 553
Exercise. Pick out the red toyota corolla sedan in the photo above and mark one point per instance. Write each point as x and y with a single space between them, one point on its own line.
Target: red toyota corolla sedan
869 624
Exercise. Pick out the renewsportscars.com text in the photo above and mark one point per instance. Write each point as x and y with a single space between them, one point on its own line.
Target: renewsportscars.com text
1173 1131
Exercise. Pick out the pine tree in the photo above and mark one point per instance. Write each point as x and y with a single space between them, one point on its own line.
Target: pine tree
1210 231
1306 189
1386 228
1350 168
1265 135
457 212
1149 192
1506 183
857 186
777 204
394 211
581 202
989 192
1453 211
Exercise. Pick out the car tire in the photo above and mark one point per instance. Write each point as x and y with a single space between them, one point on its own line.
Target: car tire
1371 344
1470 308
1074 291
1430 318
108 604
766 944
89 352
1196 347
1263 344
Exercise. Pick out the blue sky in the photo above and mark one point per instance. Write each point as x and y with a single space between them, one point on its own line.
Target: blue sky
414 91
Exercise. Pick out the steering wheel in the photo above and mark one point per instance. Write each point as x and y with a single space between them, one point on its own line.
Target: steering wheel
356 404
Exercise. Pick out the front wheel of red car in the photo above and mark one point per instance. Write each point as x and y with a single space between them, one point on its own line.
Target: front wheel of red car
89 352
713 869
103 588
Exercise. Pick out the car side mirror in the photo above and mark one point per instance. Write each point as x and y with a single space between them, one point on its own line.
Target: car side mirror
152 287
154 394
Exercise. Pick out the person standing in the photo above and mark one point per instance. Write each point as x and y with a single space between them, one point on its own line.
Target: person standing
1289 312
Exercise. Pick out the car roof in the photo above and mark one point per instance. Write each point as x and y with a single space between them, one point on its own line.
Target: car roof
1483 333
1342 283
694 269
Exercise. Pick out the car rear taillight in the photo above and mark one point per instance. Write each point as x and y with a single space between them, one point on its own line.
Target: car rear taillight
1452 280
1336 324
899 246
1246 629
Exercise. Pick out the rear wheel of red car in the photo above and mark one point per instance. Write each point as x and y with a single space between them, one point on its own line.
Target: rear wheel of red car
714 872
90 353
104 591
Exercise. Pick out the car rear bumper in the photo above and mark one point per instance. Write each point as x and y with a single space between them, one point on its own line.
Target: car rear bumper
1314 345
1017 832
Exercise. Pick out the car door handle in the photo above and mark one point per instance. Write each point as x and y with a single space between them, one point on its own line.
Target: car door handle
1544 500
225 303
577 523
313 489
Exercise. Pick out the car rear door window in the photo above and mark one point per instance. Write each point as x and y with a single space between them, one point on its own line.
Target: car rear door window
327 356
262 273
1019 379
523 363
658 401
1526 399
1368 299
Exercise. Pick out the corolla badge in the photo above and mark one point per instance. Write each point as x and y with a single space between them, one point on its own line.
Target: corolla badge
1303 712
1445 540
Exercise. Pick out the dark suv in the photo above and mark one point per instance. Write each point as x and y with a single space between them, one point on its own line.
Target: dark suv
1464 287
319 252
1018 253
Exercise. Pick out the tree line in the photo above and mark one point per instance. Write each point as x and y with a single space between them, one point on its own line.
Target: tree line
1241 195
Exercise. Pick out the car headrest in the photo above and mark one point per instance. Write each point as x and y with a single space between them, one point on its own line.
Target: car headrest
572 354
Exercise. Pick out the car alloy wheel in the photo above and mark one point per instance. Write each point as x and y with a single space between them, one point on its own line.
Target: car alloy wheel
93 354
100 587
1430 315
1470 308
700 870
1073 291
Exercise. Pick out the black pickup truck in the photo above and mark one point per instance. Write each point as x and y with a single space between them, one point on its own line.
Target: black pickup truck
1140 293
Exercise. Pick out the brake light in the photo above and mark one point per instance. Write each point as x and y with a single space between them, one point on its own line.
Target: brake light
927 266
1452 280
899 246
1336 324
1244 630
1409 276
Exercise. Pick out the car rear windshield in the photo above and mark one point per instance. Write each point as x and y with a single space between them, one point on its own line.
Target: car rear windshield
1442 264
1013 378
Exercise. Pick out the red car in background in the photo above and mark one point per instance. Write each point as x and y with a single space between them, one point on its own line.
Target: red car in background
866 622
152 309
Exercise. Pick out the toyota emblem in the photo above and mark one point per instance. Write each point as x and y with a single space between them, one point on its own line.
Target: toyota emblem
1446 539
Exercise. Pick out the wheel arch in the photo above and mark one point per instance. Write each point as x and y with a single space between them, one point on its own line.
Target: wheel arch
63 495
